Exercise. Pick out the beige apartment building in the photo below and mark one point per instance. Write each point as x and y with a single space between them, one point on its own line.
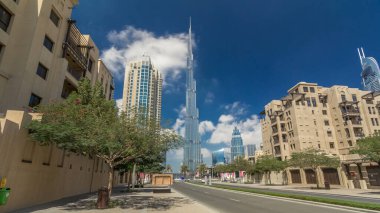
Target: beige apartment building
331 119
43 55
143 88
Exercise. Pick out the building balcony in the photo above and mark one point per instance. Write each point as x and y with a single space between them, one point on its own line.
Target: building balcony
76 48
351 113
359 135
352 123
358 132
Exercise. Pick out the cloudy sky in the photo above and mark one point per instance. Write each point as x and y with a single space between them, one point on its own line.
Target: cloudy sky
247 53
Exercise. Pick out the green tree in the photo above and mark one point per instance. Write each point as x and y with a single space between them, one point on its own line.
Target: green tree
368 148
202 168
88 124
168 168
267 164
313 159
184 169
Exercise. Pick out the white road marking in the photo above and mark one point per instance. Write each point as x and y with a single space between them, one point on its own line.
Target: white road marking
234 200
206 192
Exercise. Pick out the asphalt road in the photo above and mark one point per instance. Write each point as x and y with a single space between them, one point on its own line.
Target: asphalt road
230 201
314 194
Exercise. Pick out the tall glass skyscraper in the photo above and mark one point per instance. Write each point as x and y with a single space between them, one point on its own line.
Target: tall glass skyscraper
221 156
142 88
192 150
370 72
237 148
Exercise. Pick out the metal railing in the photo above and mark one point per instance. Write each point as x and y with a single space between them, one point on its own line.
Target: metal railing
76 45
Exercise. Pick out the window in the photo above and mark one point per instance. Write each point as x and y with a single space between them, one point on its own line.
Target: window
42 71
377 122
48 43
34 100
373 121
54 18
305 89
319 146
324 112
5 18
343 97
308 100
312 89
354 98
327 123
89 66
373 110
369 110
332 146
314 102
329 133
349 143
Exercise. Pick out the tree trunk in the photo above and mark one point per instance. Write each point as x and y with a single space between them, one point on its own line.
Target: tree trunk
134 176
316 177
270 181
110 180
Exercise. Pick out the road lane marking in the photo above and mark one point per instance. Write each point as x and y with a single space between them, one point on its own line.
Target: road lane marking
310 203
234 200
206 192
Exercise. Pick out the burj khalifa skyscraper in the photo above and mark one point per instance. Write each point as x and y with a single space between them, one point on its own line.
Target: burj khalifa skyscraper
192 150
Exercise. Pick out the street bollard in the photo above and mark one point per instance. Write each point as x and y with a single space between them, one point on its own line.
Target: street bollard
103 199
327 185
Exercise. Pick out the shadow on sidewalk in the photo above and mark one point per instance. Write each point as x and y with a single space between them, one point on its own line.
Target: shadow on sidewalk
131 202
122 198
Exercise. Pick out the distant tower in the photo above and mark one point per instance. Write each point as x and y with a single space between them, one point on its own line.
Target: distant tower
237 148
142 88
192 150
370 72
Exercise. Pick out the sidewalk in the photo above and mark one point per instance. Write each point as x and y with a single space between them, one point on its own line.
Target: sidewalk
335 190
133 202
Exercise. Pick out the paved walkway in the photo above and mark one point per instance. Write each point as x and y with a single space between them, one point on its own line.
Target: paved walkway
335 190
173 202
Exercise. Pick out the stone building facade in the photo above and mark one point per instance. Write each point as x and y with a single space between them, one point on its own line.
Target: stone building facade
331 119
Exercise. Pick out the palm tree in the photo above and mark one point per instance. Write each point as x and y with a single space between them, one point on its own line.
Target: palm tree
202 169
168 168
184 170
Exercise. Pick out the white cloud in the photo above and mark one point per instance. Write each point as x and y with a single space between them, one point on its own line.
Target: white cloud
206 153
249 127
206 126
119 104
179 124
168 52
226 118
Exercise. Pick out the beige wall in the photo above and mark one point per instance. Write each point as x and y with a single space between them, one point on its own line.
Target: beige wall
38 174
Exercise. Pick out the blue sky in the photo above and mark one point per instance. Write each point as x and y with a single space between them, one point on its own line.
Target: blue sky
247 52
